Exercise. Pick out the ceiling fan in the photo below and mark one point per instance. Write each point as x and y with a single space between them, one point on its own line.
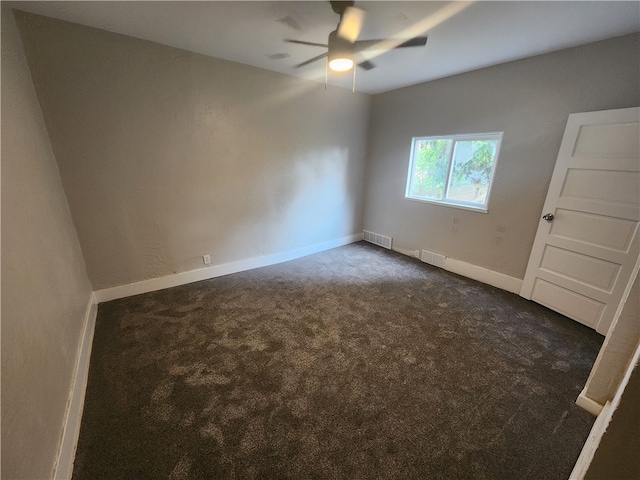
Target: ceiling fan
343 47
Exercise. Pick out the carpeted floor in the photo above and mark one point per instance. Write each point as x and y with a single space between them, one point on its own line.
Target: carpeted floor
355 363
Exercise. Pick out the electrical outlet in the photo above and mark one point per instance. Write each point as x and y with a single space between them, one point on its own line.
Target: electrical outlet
206 259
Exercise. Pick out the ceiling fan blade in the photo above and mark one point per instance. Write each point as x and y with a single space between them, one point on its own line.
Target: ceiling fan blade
414 42
351 24
290 22
325 54
302 42
367 65
372 44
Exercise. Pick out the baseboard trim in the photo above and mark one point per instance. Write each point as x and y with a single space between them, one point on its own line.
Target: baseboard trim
592 443
484 275
591 406
66 456
601 424
183 278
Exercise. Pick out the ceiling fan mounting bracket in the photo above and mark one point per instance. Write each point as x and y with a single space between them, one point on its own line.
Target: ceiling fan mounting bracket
340 7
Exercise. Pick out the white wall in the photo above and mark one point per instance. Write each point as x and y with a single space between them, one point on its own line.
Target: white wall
45 289
166 155
530 101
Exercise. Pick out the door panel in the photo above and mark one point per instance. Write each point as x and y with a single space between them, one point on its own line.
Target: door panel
601 231
568 302
603 185
576 266
601 140
582 260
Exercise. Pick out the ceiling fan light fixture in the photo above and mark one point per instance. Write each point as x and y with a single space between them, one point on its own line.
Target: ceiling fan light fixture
343 49
340 64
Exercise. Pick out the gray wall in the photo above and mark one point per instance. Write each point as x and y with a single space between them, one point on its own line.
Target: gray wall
530 100
167 155
45 289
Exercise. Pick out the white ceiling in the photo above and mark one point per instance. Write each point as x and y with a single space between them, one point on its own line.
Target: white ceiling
463 36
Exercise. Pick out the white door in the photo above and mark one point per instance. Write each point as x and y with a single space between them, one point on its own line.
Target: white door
587 242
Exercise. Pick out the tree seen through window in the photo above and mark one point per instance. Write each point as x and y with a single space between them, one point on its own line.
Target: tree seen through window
456 169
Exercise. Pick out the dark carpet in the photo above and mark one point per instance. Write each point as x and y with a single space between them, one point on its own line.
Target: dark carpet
355 363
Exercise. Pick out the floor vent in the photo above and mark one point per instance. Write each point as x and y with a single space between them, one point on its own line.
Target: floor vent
377 239
432 258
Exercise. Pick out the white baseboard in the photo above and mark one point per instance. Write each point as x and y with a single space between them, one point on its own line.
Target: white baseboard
66 455
154 284
484 275
602 422
591 406
591 445
407 252
469 270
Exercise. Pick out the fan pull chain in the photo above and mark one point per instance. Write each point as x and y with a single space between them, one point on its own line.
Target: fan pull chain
326 72
353 85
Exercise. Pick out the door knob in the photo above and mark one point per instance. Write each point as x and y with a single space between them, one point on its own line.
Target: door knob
548 217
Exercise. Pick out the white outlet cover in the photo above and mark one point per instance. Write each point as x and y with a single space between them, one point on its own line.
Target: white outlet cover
206 259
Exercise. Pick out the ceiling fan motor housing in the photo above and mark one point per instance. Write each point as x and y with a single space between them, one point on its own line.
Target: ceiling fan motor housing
338 46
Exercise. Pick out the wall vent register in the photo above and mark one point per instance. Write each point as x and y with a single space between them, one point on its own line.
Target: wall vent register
377 239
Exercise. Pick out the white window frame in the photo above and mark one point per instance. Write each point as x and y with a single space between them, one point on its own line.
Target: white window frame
484 208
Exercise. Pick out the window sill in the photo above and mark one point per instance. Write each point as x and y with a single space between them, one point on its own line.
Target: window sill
478 209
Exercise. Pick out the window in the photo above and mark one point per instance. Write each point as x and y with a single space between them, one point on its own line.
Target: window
455 170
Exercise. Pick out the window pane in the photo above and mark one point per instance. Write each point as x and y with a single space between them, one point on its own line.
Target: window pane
430 167
473 162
